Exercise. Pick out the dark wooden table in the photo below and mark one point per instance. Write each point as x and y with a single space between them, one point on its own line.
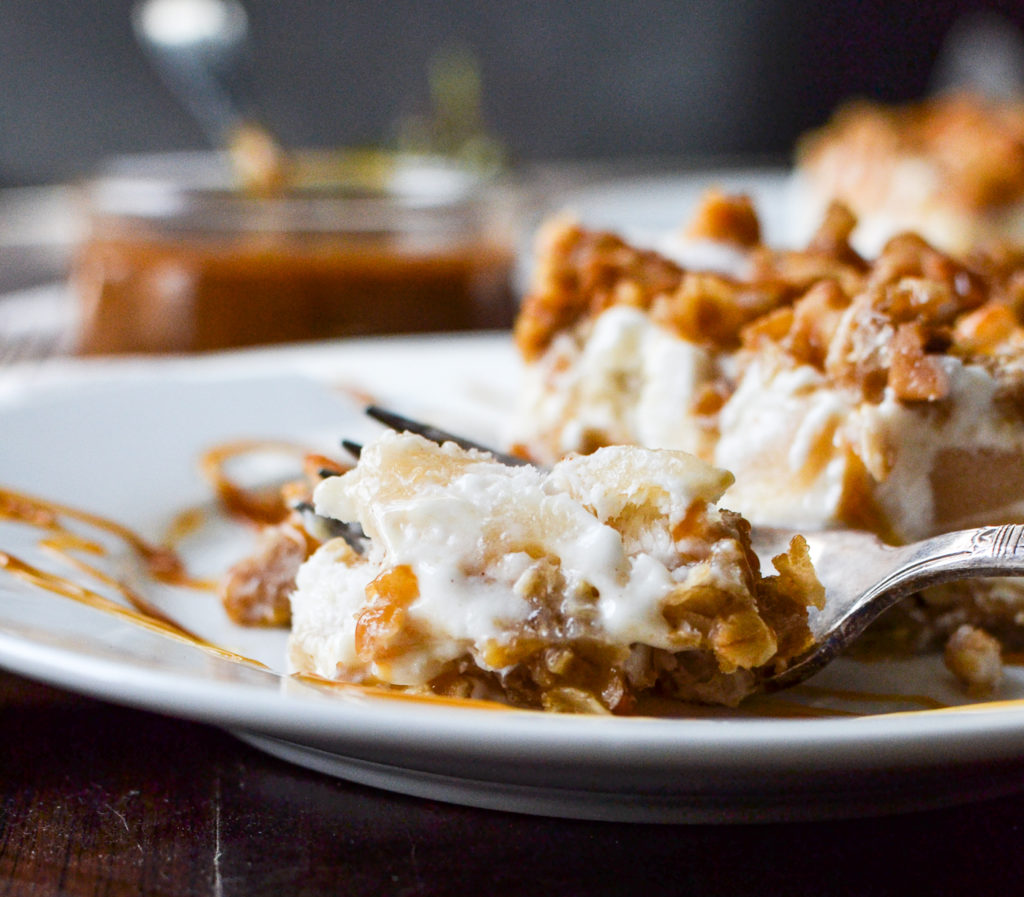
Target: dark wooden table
100 800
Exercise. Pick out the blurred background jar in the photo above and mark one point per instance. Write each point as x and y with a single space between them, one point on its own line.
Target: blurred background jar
176 257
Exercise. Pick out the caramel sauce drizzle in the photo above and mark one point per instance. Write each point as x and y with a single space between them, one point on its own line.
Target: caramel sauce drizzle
776 707
257 505
186 523
161 624
62 547
385 691
923 701
161 563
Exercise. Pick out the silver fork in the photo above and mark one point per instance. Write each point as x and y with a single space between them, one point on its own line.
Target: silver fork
863 578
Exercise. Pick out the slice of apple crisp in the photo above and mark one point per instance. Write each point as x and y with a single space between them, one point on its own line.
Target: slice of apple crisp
574 589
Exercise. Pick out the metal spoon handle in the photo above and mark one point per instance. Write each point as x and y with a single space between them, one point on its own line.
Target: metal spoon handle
198 49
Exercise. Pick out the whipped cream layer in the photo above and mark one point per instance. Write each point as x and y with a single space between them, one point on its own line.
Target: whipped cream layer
805 453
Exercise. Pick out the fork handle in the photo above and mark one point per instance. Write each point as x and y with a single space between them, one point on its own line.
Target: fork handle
965 554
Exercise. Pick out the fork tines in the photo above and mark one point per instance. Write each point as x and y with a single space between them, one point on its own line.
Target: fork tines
434 434
355 449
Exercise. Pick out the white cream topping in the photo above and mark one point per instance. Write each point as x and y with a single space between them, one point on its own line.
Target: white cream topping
773 428
917 438
785 432
704 255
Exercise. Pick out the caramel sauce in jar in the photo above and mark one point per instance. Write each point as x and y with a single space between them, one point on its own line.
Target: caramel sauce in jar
413 246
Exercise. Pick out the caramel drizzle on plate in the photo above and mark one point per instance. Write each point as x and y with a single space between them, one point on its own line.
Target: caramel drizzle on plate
257 505
924 702
162 563
385 691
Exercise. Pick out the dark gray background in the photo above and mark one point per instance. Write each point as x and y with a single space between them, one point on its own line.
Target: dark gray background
565 80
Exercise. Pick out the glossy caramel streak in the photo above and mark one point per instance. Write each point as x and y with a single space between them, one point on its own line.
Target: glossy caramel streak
69 589
185 524
259 505
779 707
399 694
161 563
62 546
923 701
980 706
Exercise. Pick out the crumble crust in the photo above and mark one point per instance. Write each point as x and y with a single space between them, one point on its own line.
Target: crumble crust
950 167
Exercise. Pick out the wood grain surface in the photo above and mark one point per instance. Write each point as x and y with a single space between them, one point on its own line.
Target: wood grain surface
101 800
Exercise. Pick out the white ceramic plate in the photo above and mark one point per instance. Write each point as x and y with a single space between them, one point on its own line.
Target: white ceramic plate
122 439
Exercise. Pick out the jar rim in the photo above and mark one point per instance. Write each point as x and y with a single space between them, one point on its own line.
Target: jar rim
367 191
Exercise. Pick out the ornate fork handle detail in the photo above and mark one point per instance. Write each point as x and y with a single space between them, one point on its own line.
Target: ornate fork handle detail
987 551
999 541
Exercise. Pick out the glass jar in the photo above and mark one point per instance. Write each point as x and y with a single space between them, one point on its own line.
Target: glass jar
176 259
